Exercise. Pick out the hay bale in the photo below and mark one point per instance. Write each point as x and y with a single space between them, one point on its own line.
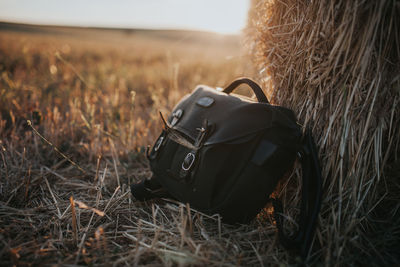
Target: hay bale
337 64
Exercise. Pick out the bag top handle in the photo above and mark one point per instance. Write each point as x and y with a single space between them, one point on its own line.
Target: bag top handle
256 88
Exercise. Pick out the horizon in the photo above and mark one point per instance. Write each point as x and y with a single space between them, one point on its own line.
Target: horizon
206 16
23 24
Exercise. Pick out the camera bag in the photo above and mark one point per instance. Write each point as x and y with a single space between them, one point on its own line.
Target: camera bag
225 153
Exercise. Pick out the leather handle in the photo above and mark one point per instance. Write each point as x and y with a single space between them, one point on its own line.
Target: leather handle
254 86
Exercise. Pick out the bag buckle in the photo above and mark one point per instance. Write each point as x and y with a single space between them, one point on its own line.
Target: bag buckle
158 143
176 116
156 148
188 161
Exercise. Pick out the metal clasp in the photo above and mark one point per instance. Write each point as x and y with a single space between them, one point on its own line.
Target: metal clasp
158 143
188 161
176 116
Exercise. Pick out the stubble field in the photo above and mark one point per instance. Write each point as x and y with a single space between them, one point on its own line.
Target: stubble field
78 108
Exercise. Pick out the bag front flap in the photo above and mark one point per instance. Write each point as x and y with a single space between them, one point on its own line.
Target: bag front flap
231 117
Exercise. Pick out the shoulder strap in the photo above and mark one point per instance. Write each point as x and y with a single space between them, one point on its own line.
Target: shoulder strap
310 202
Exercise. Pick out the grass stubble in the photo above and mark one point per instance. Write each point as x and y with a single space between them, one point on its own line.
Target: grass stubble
93 99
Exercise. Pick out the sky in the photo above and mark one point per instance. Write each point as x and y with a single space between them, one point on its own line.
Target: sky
222 16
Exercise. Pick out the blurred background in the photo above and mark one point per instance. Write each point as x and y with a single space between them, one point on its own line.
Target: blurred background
114 64
223 16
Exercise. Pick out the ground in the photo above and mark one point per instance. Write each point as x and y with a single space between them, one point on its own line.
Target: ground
78 109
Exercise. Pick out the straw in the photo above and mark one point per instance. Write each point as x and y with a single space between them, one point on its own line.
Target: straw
336 64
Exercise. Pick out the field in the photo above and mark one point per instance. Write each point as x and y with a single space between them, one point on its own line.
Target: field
92 98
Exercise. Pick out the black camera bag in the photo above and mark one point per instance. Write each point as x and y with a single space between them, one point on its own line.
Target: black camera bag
225 154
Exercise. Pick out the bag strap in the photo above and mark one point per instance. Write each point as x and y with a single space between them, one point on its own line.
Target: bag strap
310 200
254 86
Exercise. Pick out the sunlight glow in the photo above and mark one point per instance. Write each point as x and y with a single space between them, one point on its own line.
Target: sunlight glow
222 16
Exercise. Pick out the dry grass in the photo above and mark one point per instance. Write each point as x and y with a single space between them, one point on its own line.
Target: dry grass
95 96
337 64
